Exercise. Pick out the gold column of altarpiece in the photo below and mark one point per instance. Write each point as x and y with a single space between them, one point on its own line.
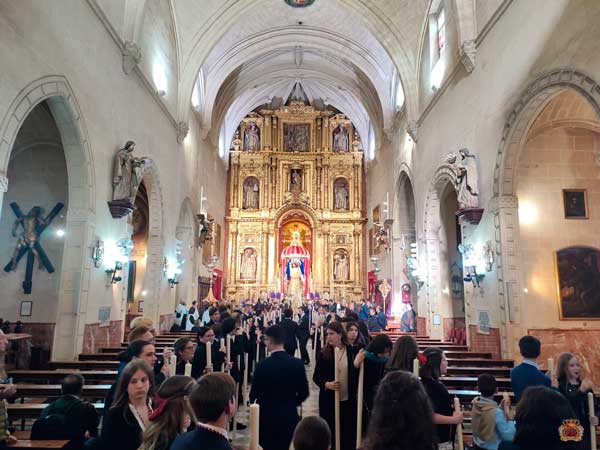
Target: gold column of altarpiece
295 169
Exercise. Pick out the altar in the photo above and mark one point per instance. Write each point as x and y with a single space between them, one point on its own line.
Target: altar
295 224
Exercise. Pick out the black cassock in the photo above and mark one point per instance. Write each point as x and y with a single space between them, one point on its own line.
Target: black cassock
324 372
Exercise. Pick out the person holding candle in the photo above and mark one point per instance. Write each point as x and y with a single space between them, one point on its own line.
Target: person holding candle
375 358
199 362
402 416
213 403
172 414
528 373
356 342
492 424
575 388
404 352
129 414
324 377
434 365
184 351
279 386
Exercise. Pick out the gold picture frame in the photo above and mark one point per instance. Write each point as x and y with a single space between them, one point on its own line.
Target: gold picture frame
575 204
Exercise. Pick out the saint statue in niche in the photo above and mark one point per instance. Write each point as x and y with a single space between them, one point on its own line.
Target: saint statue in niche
251 193
249 264
466 179
341 268
296 180
340 194
127 173
251 138
340 139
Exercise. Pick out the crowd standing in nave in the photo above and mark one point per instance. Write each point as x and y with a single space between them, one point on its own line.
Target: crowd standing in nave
155 405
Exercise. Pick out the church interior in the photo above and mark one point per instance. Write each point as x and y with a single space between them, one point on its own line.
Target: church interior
428 166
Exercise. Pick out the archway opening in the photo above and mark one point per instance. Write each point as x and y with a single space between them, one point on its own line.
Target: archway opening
37 171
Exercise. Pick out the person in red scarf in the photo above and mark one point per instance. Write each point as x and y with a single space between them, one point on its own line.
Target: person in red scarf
172 414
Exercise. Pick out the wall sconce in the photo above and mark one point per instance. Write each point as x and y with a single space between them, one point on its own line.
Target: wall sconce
473 276
172 270
112 273
173 281
98 253
488 256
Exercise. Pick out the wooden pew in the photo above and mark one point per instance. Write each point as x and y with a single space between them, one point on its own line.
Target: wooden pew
465 382
480 362
18 411
84 365
476 371
39 445
56 376
53 390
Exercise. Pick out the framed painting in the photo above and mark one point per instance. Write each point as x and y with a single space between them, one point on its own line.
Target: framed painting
575 203
296 137
578 283
26 307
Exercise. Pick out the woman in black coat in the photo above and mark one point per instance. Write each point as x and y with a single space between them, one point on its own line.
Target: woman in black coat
131 409
324 377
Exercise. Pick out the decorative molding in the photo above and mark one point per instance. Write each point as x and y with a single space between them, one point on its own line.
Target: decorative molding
132 56
3 183
183 129
467 52
412 128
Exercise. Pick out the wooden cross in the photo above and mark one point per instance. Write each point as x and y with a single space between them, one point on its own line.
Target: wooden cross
29 242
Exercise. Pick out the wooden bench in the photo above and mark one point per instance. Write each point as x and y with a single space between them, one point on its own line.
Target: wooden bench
56 376
476 371
480 362
503 383
18 411
39 445
84 365
53 390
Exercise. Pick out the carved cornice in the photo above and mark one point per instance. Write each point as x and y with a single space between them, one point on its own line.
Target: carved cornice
182 131
467 52
132 56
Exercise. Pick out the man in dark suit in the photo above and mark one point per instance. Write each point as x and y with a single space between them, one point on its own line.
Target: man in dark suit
213 401
303 333
291 332
279 386
528 373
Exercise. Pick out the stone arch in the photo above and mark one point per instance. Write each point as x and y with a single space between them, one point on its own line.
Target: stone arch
76 265
429 245
504 204
186 233
153 281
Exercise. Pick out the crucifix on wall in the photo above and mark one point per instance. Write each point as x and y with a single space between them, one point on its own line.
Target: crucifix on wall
33 225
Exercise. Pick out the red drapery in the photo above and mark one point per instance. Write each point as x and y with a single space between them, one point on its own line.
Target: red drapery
217 283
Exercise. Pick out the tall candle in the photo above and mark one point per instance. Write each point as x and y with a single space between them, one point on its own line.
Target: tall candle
245 384
172 365
322 336
337 354
228 352
257 348
551 365
235 412
416 367
222 343
254 417
359 404
208 354
592 412
459 428
188 369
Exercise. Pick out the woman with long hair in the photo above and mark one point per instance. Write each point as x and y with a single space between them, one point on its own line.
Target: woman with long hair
434 365
404 352
575 389
375 358
355 340
172 414
402 417
129 414
539 419
324 377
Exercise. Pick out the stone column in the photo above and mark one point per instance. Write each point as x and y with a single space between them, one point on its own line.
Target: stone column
234 181
325 134
3 188
265 254
505 210
234 254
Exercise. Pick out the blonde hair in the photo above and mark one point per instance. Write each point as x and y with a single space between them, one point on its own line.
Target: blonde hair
141 322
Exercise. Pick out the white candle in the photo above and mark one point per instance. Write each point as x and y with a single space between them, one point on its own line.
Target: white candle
592 412
322 336
416 367
245 385
188 370
359 404
551 365
459 429
337 354
222 343
235 412
208 354
228 352
172 365
254 417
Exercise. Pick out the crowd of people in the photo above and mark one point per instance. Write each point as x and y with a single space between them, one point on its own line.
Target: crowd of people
152 406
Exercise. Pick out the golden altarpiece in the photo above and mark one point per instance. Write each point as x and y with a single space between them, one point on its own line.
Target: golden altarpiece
296 221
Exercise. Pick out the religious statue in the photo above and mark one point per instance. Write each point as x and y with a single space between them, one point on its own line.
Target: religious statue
381 238
340 194
356 142
296 180
340 139
252 137
466 179
33 225
127 173
236 144
248 265
205 228
295 270
341 269
251 193
384 288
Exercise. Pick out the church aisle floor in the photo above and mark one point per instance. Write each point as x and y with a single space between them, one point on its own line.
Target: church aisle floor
310 407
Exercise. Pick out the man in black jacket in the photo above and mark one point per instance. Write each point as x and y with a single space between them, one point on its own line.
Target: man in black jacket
279 386
290 329
303 333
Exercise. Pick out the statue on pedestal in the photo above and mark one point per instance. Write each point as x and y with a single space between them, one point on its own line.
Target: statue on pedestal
127 176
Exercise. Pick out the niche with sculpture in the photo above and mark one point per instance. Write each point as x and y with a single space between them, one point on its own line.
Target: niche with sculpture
251 192
341 194
249 264
341 265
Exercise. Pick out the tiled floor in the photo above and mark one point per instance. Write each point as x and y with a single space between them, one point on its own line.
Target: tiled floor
310 407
